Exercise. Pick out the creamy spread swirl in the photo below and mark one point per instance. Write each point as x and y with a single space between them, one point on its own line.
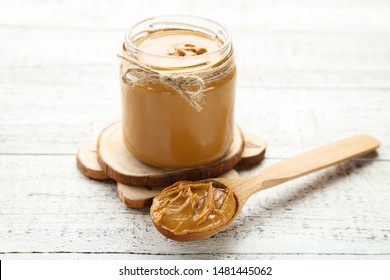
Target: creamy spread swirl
190 207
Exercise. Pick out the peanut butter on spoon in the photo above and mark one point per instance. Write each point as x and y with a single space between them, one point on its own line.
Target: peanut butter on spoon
189 211
189 207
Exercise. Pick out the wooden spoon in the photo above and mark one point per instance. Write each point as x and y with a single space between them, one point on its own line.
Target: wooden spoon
282 172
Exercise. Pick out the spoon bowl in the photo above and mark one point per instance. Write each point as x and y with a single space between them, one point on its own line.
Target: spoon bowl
281 172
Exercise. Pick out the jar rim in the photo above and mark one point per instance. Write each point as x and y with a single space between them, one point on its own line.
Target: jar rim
184 22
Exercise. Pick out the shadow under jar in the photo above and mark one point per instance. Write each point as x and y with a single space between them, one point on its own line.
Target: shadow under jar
178 79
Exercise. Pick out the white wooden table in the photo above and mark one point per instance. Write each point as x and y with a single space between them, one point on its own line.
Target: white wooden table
309 72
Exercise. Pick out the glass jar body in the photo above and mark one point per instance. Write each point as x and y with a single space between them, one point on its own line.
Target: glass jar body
160 127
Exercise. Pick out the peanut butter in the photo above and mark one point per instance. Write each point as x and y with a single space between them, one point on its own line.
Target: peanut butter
178 43
190 207
160 127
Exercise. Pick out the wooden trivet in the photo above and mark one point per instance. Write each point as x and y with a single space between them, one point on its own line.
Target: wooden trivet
254 150
87 162
119 164
253 153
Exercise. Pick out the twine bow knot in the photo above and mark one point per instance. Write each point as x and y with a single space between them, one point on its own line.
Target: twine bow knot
190 87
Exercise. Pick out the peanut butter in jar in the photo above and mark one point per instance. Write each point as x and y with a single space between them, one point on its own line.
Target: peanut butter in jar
178 81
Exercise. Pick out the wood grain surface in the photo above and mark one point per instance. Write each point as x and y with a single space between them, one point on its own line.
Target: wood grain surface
309 72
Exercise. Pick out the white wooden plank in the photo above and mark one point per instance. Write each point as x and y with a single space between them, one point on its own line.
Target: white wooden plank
269 59
124 256
294 120
342 210
37 118
320 15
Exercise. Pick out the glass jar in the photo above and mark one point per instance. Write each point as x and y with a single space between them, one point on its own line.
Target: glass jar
178 79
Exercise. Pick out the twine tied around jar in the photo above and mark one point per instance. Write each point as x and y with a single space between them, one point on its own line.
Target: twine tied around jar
189 86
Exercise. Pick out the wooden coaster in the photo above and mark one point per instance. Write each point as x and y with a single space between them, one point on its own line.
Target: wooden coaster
87 162
254 150
119 164
139 197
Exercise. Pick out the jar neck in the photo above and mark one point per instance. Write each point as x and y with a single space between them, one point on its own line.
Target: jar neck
196 25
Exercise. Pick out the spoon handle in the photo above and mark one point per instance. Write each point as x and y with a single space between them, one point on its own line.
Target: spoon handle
317 159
